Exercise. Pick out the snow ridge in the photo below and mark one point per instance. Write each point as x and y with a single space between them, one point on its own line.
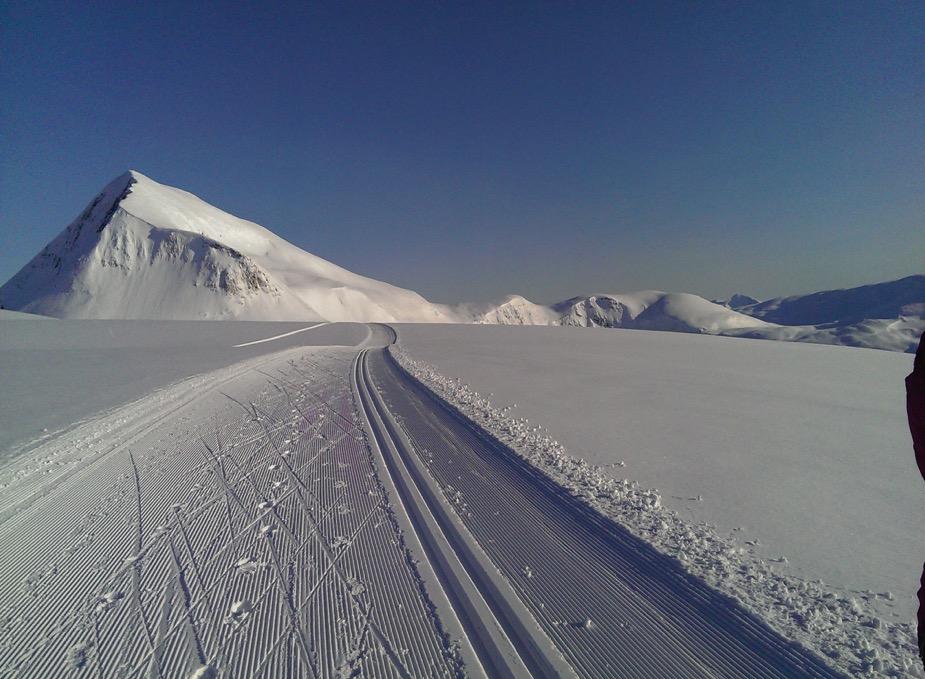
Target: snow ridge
145 250
890 300
684 312
842 627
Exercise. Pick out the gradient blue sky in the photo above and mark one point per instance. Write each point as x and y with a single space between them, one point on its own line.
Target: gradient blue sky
467 150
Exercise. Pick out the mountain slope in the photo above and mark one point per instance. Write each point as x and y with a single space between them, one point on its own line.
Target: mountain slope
892 299
145 250
645 310
142 250
889 334
511 310
737 301
653 310
682 312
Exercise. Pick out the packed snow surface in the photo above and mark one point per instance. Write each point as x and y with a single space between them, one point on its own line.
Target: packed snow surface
311 511
52 379
781 474
231 525
803 448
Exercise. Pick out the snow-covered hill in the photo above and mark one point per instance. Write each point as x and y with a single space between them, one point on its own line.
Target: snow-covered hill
511 310
145 250
645 310
653 310
888 315
892 299
682 312
889 334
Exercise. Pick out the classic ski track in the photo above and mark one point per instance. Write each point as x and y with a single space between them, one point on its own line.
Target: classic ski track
500 629
334 589
649 618
359 525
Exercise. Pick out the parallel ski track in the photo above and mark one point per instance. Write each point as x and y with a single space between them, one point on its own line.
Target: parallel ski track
126 557
310 544
500 630
569 565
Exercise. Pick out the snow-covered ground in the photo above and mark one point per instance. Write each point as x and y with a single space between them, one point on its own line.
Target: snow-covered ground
8 315
57 372
793 450
229 525
307 510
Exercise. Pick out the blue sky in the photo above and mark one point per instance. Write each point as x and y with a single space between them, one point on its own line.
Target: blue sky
467 150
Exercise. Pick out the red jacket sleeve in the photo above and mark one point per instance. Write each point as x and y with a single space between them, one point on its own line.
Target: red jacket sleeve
915 405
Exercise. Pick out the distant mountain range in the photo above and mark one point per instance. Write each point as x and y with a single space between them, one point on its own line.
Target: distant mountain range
145 250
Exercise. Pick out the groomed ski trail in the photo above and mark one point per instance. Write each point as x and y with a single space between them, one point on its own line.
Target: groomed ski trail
317 512
242 533
586 590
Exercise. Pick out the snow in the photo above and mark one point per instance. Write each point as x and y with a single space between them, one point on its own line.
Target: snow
139 543
54 379
683 312
7 315
145 250
655 310
736 301
647 309
510 310
799 453
890 334
776 465
890 300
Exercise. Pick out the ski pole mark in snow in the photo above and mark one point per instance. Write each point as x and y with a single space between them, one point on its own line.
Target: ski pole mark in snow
178 539
276 337
328 578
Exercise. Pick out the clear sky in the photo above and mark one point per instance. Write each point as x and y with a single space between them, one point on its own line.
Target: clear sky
467 150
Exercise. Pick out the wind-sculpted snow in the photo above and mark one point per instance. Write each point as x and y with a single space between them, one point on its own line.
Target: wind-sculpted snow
846 630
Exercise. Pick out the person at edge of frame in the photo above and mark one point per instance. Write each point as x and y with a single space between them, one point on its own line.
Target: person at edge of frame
915 408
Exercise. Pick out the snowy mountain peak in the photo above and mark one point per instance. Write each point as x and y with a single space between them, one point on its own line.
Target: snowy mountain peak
142 249
509 310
